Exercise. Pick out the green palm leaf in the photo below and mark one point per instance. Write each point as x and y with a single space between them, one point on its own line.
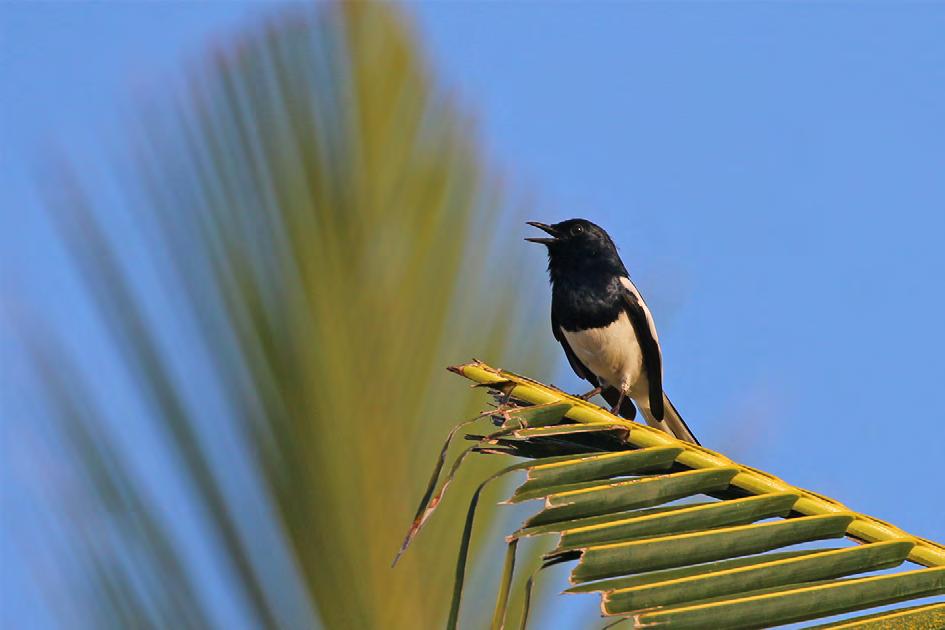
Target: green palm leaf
317 210
611 489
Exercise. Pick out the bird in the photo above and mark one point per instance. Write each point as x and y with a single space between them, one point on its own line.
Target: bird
604 326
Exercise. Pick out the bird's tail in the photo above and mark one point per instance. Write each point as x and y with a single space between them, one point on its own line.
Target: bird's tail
672 422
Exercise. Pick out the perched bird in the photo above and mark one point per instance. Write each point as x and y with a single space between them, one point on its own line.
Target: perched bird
604 326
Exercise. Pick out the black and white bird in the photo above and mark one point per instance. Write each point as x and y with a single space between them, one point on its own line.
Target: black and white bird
604 326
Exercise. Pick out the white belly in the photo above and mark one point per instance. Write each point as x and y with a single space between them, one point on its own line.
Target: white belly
612 353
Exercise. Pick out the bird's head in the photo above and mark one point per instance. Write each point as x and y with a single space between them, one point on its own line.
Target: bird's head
577 246
574 241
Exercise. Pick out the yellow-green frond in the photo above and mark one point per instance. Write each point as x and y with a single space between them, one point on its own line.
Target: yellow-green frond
620 498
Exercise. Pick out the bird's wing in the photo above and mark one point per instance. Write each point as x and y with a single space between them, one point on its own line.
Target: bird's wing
642 322
579 368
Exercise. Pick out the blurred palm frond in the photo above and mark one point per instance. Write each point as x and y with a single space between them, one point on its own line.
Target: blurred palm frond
309 225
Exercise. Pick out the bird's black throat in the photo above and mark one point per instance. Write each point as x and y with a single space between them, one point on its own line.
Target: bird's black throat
587 294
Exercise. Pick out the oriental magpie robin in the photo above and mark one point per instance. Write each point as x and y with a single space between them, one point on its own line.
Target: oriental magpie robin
604 326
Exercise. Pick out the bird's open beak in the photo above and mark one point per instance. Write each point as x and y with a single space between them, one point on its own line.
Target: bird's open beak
545 228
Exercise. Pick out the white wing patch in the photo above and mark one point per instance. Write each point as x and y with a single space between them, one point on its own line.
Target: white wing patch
629 286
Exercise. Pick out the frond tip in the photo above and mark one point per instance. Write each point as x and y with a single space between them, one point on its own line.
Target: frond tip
618 494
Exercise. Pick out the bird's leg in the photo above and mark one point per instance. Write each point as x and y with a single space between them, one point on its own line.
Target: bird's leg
616 409
591 393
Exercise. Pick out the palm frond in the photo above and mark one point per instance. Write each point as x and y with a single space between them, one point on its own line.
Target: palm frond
314 208
619 495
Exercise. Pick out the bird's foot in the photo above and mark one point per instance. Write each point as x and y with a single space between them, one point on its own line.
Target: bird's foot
591 393
616 408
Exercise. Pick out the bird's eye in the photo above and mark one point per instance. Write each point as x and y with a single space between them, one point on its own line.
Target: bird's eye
577 229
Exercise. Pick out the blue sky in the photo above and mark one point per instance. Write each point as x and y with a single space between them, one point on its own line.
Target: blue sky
772 175
772 172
